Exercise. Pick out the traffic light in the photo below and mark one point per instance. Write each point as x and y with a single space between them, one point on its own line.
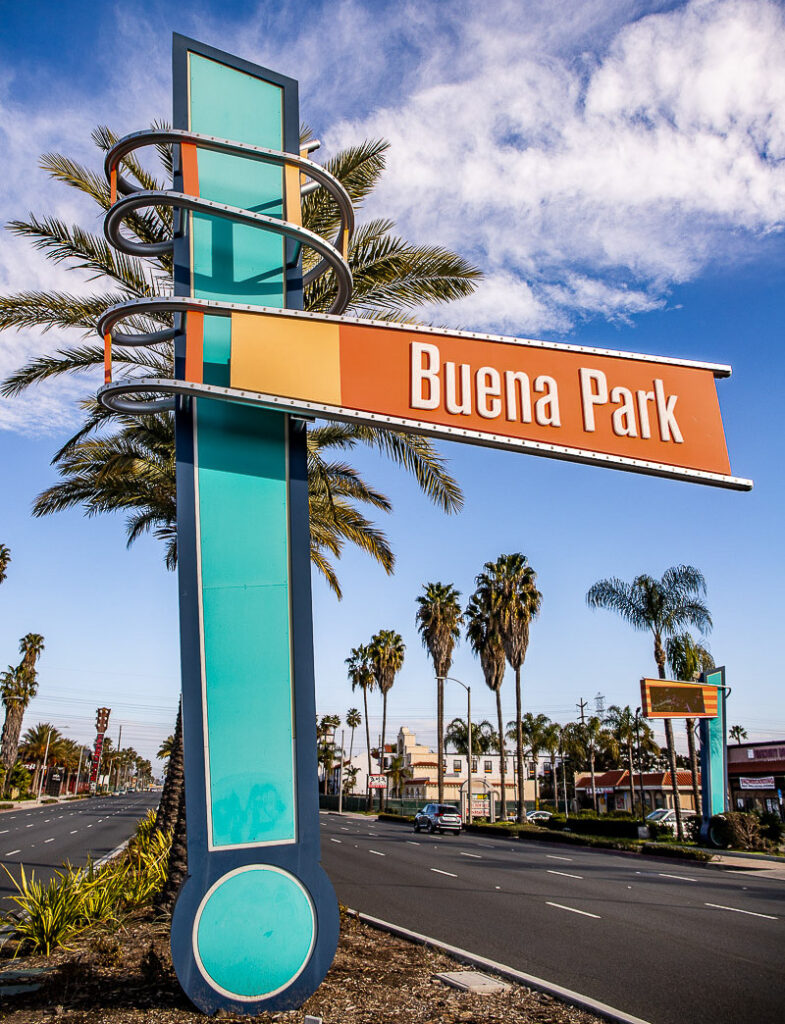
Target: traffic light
102 719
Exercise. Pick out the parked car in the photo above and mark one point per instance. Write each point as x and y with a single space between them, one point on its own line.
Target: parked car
667 816
535 816
438 818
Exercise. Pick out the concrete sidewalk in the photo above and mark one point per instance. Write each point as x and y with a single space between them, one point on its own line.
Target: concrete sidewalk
762 867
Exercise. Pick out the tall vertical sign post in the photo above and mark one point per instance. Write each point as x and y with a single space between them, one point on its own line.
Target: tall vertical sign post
256 923
714 754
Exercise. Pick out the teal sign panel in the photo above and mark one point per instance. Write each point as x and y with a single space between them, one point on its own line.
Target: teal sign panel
714 752
256 924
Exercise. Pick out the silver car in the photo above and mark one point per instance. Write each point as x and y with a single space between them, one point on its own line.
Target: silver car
438 818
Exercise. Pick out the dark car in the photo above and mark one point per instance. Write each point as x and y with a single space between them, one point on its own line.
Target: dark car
438 818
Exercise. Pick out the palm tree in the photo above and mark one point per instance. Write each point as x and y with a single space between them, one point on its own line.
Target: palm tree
662 607
385 651
354 721
551 741
457 735
397 773
5 558
325 739
592 736
737 733
165 750
117 462
41 743
509 584
350 773
18 686
687 658
485 641
533 728
621 722
361 675
438 622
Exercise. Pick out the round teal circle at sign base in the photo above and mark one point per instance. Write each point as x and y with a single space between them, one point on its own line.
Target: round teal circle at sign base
254 932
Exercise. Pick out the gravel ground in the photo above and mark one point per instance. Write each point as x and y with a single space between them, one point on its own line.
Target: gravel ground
126 976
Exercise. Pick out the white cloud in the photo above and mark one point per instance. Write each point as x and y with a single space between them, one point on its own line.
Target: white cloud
596 179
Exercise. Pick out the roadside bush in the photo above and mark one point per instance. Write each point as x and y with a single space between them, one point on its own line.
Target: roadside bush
660 833
772 827
596 825
702 856
52 913
739 829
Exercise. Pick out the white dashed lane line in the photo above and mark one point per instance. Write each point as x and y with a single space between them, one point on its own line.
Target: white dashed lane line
751 913
12 852
681 878
438 871
553 856
335 840
475 855
411 842
49 840
573 910
75 830
564 874
377 854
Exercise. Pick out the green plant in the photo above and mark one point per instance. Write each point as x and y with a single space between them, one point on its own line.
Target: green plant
52 913
772 827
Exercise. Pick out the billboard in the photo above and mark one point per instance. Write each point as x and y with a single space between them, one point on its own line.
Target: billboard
666 698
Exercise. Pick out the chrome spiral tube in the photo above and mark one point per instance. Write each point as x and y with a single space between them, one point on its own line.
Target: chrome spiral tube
134 198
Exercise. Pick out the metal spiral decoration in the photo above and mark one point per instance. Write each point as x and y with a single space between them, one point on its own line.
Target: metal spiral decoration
333 255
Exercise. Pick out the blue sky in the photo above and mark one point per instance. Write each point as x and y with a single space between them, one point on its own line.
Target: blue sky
616 169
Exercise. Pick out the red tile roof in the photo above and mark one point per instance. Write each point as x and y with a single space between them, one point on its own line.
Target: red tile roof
620 779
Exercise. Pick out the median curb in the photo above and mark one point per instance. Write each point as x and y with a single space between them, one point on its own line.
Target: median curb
102 861
566 995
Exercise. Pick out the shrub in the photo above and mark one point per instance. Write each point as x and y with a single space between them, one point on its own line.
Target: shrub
596 825
660 833
702 856
52 913
739 829
772 827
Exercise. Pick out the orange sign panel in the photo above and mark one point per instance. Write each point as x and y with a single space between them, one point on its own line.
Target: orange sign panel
645 413
667 698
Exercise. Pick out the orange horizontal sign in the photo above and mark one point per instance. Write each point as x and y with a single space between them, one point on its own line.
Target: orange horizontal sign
670 698
645 413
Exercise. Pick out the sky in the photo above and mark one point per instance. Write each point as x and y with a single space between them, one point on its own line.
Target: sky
616 169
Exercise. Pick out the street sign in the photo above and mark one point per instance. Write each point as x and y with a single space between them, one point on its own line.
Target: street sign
644 413
377 781
665 698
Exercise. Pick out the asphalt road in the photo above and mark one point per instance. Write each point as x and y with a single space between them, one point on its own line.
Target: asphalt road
42 838
665 941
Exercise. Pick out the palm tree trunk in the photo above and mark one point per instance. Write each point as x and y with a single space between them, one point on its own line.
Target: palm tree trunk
383 792
178 860
440 737
674 777
9 745
502 765
632 780
521 815
696 793
368 747
173 783
659 657
593 787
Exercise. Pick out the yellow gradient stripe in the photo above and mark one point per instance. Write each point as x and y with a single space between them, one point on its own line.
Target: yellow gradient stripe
280 356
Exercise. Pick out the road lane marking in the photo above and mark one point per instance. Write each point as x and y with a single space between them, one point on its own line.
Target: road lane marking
74 831
12 852
564 874
344 829
411 842
47 819
681 878
49 840
573 910
377 854
29 826
475 855
335 840
3 831
89 826
439 872
553 856
719 906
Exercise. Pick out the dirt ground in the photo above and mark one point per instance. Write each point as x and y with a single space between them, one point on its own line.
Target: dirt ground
126 976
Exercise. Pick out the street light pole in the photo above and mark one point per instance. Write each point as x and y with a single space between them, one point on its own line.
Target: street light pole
469 731
640 759
340 779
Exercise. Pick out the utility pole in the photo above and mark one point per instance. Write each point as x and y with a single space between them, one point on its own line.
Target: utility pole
79 769
119 748
581 706
340 779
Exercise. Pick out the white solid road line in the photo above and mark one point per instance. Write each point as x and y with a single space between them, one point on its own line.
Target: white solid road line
719 906
475 855
564 874
377 854
439 872
553 856
572 910
681 878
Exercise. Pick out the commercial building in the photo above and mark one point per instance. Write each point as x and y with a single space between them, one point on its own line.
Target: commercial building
613 790
756 776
